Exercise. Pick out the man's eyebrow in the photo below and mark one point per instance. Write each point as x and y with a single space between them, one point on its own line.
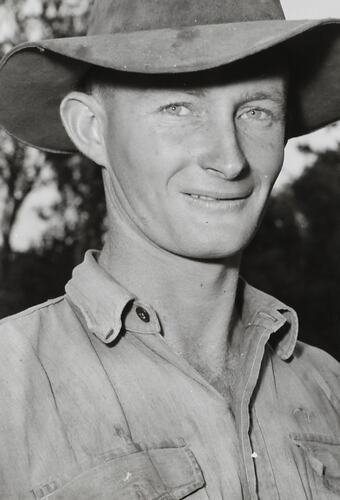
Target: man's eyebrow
196 92
274 95
199 92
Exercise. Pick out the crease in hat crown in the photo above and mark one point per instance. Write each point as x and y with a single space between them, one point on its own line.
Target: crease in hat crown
124 16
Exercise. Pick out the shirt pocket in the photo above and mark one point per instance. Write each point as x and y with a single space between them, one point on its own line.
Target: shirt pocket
155 474
322 460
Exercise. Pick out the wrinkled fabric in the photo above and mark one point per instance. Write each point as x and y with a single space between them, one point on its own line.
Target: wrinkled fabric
96 405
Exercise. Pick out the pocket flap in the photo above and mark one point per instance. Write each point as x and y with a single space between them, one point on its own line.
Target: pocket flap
178 469
323 454
155 474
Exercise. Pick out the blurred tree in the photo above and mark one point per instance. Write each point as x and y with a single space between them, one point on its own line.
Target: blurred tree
22 20
19 172
29 20
296 254
76 220
82 207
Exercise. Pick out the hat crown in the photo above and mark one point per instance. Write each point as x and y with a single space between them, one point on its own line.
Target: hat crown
120 16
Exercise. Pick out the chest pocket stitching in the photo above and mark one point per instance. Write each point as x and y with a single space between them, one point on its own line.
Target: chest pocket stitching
157 464
309 444
193 484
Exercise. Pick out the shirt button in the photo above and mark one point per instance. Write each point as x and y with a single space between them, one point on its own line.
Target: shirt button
143 314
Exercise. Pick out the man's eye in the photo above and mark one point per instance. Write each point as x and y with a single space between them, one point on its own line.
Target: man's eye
176 109
257 115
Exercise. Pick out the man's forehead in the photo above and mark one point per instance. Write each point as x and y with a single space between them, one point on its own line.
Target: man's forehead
261 87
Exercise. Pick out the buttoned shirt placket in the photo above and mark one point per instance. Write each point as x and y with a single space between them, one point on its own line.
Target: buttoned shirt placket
260 330
142 322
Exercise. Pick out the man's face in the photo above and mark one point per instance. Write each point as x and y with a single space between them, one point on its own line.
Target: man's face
192 166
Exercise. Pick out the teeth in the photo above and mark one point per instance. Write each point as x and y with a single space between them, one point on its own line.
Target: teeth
202 197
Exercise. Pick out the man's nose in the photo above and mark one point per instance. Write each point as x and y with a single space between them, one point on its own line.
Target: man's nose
224 156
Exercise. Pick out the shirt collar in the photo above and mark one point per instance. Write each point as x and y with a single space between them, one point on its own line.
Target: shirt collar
106 308
260 309
104 305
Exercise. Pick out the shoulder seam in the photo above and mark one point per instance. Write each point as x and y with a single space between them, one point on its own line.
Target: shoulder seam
31 310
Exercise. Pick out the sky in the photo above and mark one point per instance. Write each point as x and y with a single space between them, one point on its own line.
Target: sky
307 9
26 232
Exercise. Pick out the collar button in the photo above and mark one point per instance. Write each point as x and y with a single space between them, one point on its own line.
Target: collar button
143 314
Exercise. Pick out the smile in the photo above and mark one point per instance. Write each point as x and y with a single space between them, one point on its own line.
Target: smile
205 197
213 198
218 197
217 200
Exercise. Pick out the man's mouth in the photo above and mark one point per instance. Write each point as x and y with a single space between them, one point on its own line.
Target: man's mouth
213 198
219 197
204 197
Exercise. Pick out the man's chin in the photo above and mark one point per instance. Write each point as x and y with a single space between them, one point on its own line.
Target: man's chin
209 252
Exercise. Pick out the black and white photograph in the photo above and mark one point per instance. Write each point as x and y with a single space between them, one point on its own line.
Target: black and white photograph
169 249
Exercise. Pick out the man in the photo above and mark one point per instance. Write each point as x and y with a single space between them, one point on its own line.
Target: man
161 374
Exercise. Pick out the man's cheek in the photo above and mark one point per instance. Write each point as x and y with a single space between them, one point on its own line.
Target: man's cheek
267 141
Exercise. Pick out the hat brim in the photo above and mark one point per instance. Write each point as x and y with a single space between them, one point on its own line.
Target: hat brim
34 77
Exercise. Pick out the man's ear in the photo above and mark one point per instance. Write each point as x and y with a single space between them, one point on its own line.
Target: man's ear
83 118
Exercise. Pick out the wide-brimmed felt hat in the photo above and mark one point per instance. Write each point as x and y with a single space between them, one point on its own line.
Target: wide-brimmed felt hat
168 36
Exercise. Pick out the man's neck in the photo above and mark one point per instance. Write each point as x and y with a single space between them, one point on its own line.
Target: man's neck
195 300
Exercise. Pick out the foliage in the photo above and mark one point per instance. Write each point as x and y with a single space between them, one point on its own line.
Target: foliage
24 170
29 20
296 254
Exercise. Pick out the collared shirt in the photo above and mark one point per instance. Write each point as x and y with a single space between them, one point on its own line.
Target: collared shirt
96 405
